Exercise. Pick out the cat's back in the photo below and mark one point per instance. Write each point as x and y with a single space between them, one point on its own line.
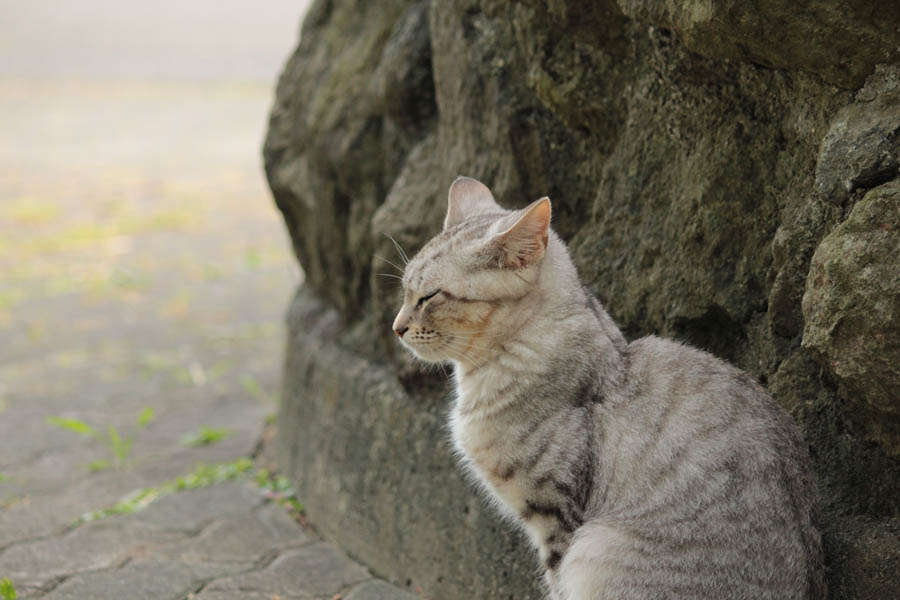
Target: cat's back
707 479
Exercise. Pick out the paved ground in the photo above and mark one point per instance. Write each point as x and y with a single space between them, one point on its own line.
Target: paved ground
144 274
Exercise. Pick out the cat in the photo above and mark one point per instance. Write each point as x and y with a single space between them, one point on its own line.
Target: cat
642 470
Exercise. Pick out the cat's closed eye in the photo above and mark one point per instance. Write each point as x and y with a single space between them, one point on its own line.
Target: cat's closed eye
425 298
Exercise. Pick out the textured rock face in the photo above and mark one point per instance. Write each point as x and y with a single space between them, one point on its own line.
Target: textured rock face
745 209
839 41
852 309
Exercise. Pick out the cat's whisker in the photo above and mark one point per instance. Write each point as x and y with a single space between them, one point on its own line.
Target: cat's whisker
389 262
390 275
461 335
400 251
519 275
444 371
469 339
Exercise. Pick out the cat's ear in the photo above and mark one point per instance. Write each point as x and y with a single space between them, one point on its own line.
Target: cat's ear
468 197
524 243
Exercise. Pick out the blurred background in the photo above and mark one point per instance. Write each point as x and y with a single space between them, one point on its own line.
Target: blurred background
144 269
134 217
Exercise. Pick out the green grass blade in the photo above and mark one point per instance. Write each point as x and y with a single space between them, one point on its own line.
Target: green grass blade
74 425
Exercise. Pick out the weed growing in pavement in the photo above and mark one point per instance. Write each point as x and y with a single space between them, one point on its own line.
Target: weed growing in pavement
205 436
275 488
7 589
202 476
252 386
279 489
118 446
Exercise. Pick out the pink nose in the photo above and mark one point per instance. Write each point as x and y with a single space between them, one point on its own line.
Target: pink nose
401 330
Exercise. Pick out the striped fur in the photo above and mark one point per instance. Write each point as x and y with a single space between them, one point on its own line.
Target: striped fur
642 470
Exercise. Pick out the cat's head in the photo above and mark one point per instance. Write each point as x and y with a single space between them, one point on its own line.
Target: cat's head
461 291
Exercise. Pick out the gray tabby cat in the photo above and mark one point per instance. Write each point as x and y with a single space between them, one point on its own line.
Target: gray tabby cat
642 470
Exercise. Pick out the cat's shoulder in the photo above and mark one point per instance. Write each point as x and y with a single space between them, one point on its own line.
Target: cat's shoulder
666 361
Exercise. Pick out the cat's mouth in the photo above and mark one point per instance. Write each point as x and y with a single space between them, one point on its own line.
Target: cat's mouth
434 349
428 352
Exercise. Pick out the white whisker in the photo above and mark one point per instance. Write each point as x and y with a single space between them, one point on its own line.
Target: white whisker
389 262
400 251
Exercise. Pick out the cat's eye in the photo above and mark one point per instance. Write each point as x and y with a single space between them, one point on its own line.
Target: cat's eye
428 297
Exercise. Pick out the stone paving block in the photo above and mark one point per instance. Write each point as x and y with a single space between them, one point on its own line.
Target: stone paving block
239 538
379 590
244 595
281 525
315 570
238 415
36 516
65 467
149 580
191 510
30 439
91 547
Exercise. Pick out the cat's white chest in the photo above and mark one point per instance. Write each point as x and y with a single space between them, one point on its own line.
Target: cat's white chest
488 451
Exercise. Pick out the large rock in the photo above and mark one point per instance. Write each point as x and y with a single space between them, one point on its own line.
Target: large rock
694 191
862 146
852 310
839 41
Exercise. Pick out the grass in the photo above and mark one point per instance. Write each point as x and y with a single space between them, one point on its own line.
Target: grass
30 211
202 476
119 446
276 488
279 489
81 234
7 589
73 425
252 386
147 415
10 298
177 368
128 279
205 436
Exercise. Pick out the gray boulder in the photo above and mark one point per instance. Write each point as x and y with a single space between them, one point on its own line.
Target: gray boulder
852 310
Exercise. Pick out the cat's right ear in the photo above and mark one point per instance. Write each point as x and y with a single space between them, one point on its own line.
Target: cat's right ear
467 197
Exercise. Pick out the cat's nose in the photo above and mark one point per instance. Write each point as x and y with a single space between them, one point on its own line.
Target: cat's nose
401 330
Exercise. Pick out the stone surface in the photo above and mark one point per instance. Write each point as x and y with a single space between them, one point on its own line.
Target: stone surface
841 42
150 580
192 510
862 147
852 310
241 538
314 571
404 506
378 590
697 155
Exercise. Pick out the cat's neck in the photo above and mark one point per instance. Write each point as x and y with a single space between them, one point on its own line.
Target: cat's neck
556 335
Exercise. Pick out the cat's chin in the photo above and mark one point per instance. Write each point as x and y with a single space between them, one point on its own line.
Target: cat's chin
427 356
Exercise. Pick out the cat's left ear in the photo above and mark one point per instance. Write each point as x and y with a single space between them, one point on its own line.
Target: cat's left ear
524 243
468 197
